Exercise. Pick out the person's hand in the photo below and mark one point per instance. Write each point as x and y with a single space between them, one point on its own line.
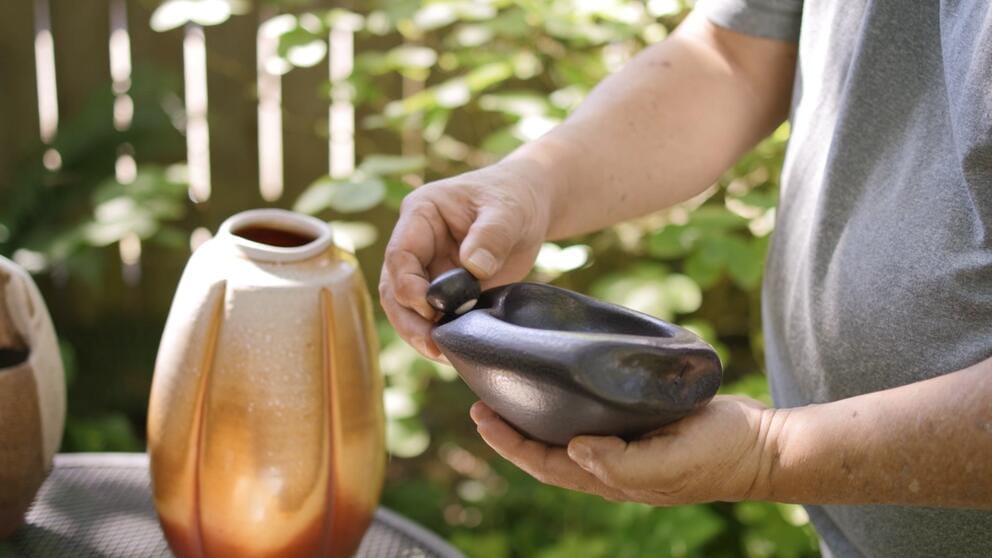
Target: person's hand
724 452
491 221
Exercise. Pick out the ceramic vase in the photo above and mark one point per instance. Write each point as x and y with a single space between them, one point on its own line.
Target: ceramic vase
265 425
32 394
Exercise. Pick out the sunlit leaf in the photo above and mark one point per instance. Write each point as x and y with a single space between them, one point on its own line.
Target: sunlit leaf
381 165
354 235
532 127
175 13
471 35
406 438
398 403
344 19
308 54
435 15
515 103
661 8
553 258
683 294
411 56
346 196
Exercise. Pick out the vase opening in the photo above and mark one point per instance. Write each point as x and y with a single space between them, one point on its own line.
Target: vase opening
13 356
273 236
276 235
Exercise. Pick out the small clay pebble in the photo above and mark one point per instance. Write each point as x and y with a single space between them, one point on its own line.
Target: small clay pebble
453 292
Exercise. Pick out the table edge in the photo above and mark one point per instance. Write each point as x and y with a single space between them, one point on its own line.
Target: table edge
402 524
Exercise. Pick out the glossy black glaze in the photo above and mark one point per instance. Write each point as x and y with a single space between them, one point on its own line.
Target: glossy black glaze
453 292
556 364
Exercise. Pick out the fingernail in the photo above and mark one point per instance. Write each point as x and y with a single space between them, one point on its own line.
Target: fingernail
579 452
476 412
482 262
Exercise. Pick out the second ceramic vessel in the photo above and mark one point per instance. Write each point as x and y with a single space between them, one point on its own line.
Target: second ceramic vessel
266 425
32 394
556 364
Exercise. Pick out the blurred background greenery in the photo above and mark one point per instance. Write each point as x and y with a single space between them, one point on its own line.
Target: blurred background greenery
439 87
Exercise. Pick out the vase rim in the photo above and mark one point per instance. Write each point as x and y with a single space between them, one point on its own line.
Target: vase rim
279 220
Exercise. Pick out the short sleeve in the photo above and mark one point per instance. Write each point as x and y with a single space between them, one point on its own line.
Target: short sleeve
771 19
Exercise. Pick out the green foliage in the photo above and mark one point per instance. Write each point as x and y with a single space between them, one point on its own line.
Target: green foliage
450 84
364 189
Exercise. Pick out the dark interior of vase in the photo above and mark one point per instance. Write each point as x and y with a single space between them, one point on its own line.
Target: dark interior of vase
10 357
274 235
554 309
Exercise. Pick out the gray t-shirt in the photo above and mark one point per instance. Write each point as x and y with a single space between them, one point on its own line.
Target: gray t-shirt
880 271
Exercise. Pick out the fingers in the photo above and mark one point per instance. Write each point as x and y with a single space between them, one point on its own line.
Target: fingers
417 243
489 242
412 327
549 465
619 464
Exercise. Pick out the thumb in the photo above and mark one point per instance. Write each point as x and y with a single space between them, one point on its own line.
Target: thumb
488 243
604 457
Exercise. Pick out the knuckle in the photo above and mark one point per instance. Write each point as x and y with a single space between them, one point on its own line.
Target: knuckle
499 234
415 200
541 477
391 255
408 201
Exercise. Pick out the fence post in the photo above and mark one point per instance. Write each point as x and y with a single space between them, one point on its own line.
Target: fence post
341 114
270 163
48 100
197 130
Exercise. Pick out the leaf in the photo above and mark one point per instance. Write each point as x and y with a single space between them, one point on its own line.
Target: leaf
501 141
406 437
671 242
759 198
716 217
555 259
396 190
746 264
703 269
516 103
354 235
344 19
360 193
682 293
175 13
383 165
411 56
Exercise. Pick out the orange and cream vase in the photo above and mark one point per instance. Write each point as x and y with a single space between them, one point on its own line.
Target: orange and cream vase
265 425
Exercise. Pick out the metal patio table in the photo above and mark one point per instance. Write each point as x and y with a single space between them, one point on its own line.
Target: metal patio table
100 505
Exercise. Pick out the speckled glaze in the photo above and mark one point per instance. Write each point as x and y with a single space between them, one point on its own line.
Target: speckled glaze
32 394
556 364
265 426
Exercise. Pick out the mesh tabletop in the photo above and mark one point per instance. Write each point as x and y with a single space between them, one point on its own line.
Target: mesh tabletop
100 505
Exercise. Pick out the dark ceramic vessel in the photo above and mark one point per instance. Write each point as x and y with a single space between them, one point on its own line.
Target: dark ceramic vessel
556 364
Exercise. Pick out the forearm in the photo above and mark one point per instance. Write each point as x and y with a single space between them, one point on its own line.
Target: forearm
928 443
663 128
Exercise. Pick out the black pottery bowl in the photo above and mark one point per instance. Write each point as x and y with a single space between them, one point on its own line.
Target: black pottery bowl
557 364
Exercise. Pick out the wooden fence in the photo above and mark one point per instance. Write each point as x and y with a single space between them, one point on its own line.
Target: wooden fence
248 129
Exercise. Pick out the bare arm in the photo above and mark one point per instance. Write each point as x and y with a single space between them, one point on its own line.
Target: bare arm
928 443
665 127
